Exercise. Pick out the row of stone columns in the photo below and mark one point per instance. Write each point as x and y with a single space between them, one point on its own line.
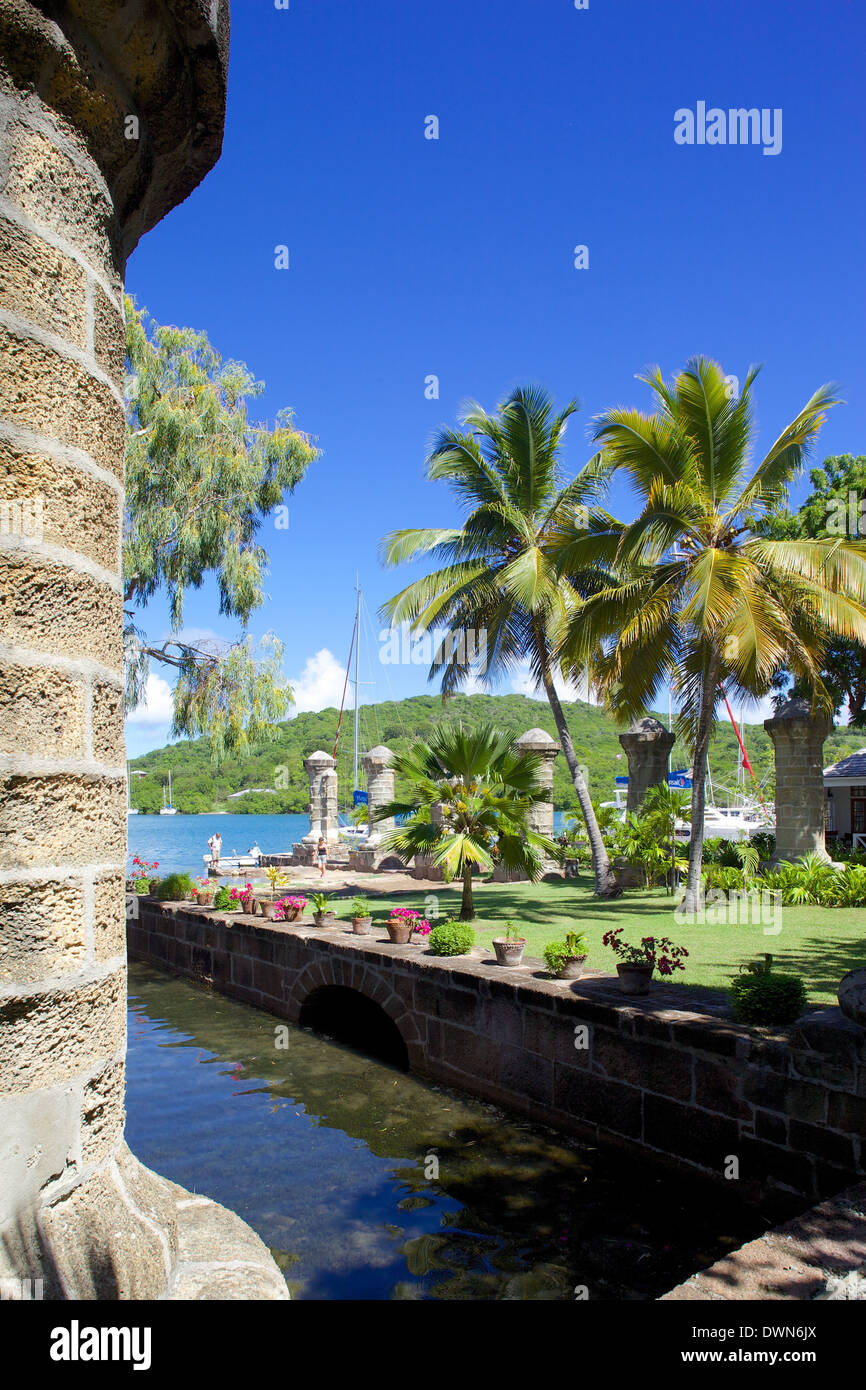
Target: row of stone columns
798 738
798 741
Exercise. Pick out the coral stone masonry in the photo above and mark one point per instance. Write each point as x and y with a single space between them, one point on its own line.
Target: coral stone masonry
110 114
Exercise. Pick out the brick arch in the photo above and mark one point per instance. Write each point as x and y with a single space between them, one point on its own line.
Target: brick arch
366 980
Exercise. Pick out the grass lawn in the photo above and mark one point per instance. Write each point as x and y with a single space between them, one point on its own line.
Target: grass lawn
819 943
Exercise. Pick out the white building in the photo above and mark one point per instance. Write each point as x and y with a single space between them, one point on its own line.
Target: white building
845 799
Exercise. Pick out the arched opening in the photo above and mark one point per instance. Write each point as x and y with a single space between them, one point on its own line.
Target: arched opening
334 1011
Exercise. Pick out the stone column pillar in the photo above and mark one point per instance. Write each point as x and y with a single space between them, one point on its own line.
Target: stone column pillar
316 765
798 740
541 814
647 746
107 120
423 866
380 790
330 806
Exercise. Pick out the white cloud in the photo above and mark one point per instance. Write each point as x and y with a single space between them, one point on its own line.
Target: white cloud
157 707
320 684
523 683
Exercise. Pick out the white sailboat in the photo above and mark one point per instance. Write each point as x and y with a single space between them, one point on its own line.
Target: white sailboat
167 809
130 809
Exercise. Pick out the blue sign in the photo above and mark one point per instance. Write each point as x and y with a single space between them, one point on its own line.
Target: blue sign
679 779
621 781
359 798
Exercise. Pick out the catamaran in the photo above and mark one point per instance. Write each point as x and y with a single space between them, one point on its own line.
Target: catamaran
167 809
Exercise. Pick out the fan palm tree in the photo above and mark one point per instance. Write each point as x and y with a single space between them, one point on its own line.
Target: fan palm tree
700 598
470 794
495 572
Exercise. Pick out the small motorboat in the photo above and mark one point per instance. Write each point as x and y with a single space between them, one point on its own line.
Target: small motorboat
233 863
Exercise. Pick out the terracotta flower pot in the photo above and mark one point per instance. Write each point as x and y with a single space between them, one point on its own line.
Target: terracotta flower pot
204 897
634 979
572 968
269 909
400 933
361 926
324 919
509 952
291 914
248 904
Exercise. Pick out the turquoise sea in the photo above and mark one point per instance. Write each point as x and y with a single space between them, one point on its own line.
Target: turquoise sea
179 842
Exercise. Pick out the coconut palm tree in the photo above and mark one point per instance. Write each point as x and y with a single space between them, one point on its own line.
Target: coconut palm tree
469 798
495 573
701 598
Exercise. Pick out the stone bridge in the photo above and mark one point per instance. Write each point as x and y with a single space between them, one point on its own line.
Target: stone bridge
670 1076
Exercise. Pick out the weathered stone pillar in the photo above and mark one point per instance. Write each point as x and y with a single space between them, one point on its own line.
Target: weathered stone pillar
541 814
110 114
316 765
330 806
380 790
647 745
422 865
798 740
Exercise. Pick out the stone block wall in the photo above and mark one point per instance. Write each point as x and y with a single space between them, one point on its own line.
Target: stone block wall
670 1076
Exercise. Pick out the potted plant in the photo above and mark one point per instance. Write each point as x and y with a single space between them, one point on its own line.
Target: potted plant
323 914
362 917
510 947
289 909
142 875
566 959
637 963
203 891
403 923
244 897
276 880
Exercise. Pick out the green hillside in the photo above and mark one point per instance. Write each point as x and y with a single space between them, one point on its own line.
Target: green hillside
278 770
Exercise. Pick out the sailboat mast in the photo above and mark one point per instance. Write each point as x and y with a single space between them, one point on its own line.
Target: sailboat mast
357 650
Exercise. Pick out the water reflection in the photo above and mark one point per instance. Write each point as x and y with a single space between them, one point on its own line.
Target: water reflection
332 1158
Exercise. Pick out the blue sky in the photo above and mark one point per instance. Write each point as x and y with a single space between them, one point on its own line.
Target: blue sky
454 257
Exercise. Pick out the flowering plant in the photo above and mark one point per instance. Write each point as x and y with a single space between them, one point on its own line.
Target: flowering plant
408 914
297 903
202 882
142 868
658 952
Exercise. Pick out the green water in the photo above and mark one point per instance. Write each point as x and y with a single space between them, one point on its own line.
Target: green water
324 1153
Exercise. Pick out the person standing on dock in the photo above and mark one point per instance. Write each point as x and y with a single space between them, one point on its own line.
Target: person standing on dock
322 855
215 844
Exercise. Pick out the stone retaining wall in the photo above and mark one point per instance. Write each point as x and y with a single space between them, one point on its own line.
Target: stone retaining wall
669 1075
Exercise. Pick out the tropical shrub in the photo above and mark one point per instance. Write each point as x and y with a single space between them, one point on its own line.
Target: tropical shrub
765 843
557 952
174 888
767 998
720 851
451 939
722 877
360 908
223 900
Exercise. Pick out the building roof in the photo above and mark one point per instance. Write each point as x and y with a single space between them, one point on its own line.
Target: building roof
852 767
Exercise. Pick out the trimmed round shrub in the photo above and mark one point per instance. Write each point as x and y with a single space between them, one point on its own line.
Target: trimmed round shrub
768 998
174 888
223 900
451 939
